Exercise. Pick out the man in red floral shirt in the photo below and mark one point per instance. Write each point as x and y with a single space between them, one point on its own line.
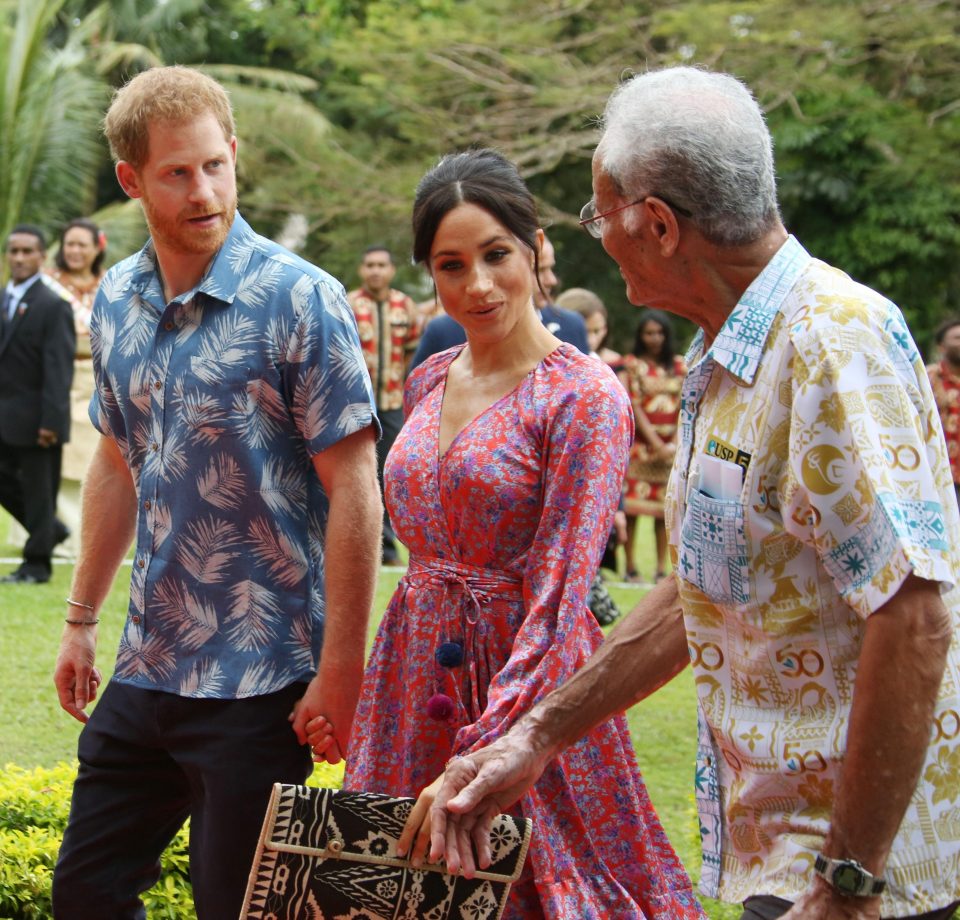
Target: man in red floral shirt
388 326
945 381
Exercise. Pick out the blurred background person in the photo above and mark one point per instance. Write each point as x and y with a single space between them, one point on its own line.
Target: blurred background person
589 306
945 382
389 326
77 272
37 342
594 314
653 375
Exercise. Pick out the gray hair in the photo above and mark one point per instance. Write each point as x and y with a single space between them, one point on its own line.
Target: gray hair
698 140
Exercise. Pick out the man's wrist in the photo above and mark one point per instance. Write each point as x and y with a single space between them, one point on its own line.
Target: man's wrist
848 877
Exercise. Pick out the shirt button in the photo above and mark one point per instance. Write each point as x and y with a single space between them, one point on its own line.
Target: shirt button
154 446
157 384
168 326
135 618
141 563
147 505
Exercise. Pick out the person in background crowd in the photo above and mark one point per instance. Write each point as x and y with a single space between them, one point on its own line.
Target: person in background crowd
444 332
594 313
653 376
237 446
76 274
36 368
815 534
945 382
503 483
389 327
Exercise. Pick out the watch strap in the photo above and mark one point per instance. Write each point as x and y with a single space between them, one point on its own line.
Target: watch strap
848 877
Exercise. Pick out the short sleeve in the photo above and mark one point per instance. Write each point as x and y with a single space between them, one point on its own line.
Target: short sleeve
870 483
325 376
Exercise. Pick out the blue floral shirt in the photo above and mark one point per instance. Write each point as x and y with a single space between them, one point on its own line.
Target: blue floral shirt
218 401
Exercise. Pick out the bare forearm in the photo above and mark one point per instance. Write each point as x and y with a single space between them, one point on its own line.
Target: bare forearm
646 650
351 561
108 516
898 678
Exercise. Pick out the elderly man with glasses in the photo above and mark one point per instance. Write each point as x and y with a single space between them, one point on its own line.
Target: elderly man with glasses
814 535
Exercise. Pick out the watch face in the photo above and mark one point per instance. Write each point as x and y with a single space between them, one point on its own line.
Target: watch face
847 878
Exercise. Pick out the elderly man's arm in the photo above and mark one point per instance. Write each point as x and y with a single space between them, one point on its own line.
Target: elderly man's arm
348 473
647 649
899 672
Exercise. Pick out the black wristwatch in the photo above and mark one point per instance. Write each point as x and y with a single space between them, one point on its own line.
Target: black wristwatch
848 877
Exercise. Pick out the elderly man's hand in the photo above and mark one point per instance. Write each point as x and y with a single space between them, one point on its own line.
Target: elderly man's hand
475 789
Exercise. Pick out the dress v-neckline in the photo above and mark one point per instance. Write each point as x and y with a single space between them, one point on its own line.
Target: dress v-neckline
441 455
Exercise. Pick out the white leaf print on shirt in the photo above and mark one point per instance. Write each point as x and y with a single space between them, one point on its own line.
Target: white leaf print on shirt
283 488
160 521
207 547
152 658
259 410
204 417
257 288
102 338
262 674
346 360
310 403
226 346
205 679
174 604
254 615
285 559
354 417
222 483
139 326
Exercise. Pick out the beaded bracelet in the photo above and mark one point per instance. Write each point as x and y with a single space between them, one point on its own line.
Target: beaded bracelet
81 622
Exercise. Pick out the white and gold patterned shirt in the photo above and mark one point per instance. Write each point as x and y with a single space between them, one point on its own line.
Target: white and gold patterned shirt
811 478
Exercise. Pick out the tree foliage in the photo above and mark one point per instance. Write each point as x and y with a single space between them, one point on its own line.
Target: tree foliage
50 106
343 104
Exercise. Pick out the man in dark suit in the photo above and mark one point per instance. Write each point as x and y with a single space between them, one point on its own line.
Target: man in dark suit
37 342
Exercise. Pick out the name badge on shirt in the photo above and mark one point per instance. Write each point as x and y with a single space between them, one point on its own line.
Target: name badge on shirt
724 451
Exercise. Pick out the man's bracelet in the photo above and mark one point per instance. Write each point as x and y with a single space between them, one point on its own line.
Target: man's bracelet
72 603
82 622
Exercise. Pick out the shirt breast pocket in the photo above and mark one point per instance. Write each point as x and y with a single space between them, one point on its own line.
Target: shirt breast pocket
712 553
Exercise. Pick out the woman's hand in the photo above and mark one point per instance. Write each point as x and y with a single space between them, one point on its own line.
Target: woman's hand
416 831
319 734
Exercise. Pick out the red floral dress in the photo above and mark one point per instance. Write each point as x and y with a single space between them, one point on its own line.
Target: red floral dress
505 532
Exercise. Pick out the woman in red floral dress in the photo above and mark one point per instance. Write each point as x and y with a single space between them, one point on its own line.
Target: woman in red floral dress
503 484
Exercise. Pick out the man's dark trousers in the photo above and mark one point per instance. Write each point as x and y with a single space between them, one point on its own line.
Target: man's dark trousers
150 760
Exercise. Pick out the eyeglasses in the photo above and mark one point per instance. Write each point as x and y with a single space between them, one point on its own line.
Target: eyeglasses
593 222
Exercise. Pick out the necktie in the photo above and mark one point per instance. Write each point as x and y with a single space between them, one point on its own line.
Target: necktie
5 302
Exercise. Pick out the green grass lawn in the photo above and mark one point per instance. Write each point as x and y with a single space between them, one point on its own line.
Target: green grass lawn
35 732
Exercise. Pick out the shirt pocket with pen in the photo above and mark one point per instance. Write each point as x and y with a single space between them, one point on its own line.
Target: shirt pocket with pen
712 551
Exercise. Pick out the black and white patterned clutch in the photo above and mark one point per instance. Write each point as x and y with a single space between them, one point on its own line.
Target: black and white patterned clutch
325 854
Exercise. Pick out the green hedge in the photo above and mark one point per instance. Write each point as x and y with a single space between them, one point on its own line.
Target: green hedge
34 805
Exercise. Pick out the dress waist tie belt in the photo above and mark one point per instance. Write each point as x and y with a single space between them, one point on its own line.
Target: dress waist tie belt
476 586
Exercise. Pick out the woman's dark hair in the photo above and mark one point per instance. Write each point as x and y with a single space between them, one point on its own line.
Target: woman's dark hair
667 353
482 177
95 232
